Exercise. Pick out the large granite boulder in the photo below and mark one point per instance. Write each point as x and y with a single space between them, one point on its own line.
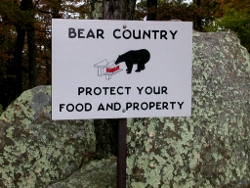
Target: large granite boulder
212 147
36 151
106 137
96 174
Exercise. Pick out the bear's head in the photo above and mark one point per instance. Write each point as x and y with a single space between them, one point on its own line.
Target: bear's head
118 60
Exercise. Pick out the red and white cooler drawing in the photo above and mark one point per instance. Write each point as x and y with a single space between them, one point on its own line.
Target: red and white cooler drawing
107 69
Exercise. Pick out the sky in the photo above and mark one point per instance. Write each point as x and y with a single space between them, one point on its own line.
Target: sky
188 1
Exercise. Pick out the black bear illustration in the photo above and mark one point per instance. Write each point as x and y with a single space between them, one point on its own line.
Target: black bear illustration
139 57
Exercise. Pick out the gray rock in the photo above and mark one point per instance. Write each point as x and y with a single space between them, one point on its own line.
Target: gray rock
36 151
96 174
106 137
212 147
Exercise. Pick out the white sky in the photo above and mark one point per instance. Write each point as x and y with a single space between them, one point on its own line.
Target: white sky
188 1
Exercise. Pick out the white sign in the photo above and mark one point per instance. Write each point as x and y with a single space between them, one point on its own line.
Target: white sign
120 69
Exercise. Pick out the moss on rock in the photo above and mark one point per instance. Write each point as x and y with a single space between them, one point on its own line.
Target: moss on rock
36 151
210 148
96 174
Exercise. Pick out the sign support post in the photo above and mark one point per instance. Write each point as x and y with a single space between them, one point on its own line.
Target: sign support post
122 153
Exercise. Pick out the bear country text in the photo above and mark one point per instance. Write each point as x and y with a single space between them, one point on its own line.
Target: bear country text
118 34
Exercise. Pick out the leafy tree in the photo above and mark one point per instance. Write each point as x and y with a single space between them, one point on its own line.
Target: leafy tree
119 9
237 21
201 12
20 15
141 10
159 9
239 5
151 7
204 13
7 47
25 38
15 57
234 15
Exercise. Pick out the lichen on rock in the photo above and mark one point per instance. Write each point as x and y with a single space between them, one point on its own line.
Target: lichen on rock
36 151
210 148
96 174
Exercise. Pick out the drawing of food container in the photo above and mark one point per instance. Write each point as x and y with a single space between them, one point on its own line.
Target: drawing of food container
108 69
112 69
101 67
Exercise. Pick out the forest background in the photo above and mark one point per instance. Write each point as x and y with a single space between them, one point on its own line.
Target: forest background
25 30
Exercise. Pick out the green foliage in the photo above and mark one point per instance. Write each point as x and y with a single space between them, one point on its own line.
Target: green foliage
237 21
27 15
200 12
208 16
141 10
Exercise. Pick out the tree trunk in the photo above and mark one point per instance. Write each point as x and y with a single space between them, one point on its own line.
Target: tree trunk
106 137
31 45
119 9
17 61
152 7
113 9
57 6
28 24
32 56
106 130
199 19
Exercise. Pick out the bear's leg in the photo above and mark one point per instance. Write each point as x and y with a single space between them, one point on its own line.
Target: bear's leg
137 70
140 67
143 67
129 67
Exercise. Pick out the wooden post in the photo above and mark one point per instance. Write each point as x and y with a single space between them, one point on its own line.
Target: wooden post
122 153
